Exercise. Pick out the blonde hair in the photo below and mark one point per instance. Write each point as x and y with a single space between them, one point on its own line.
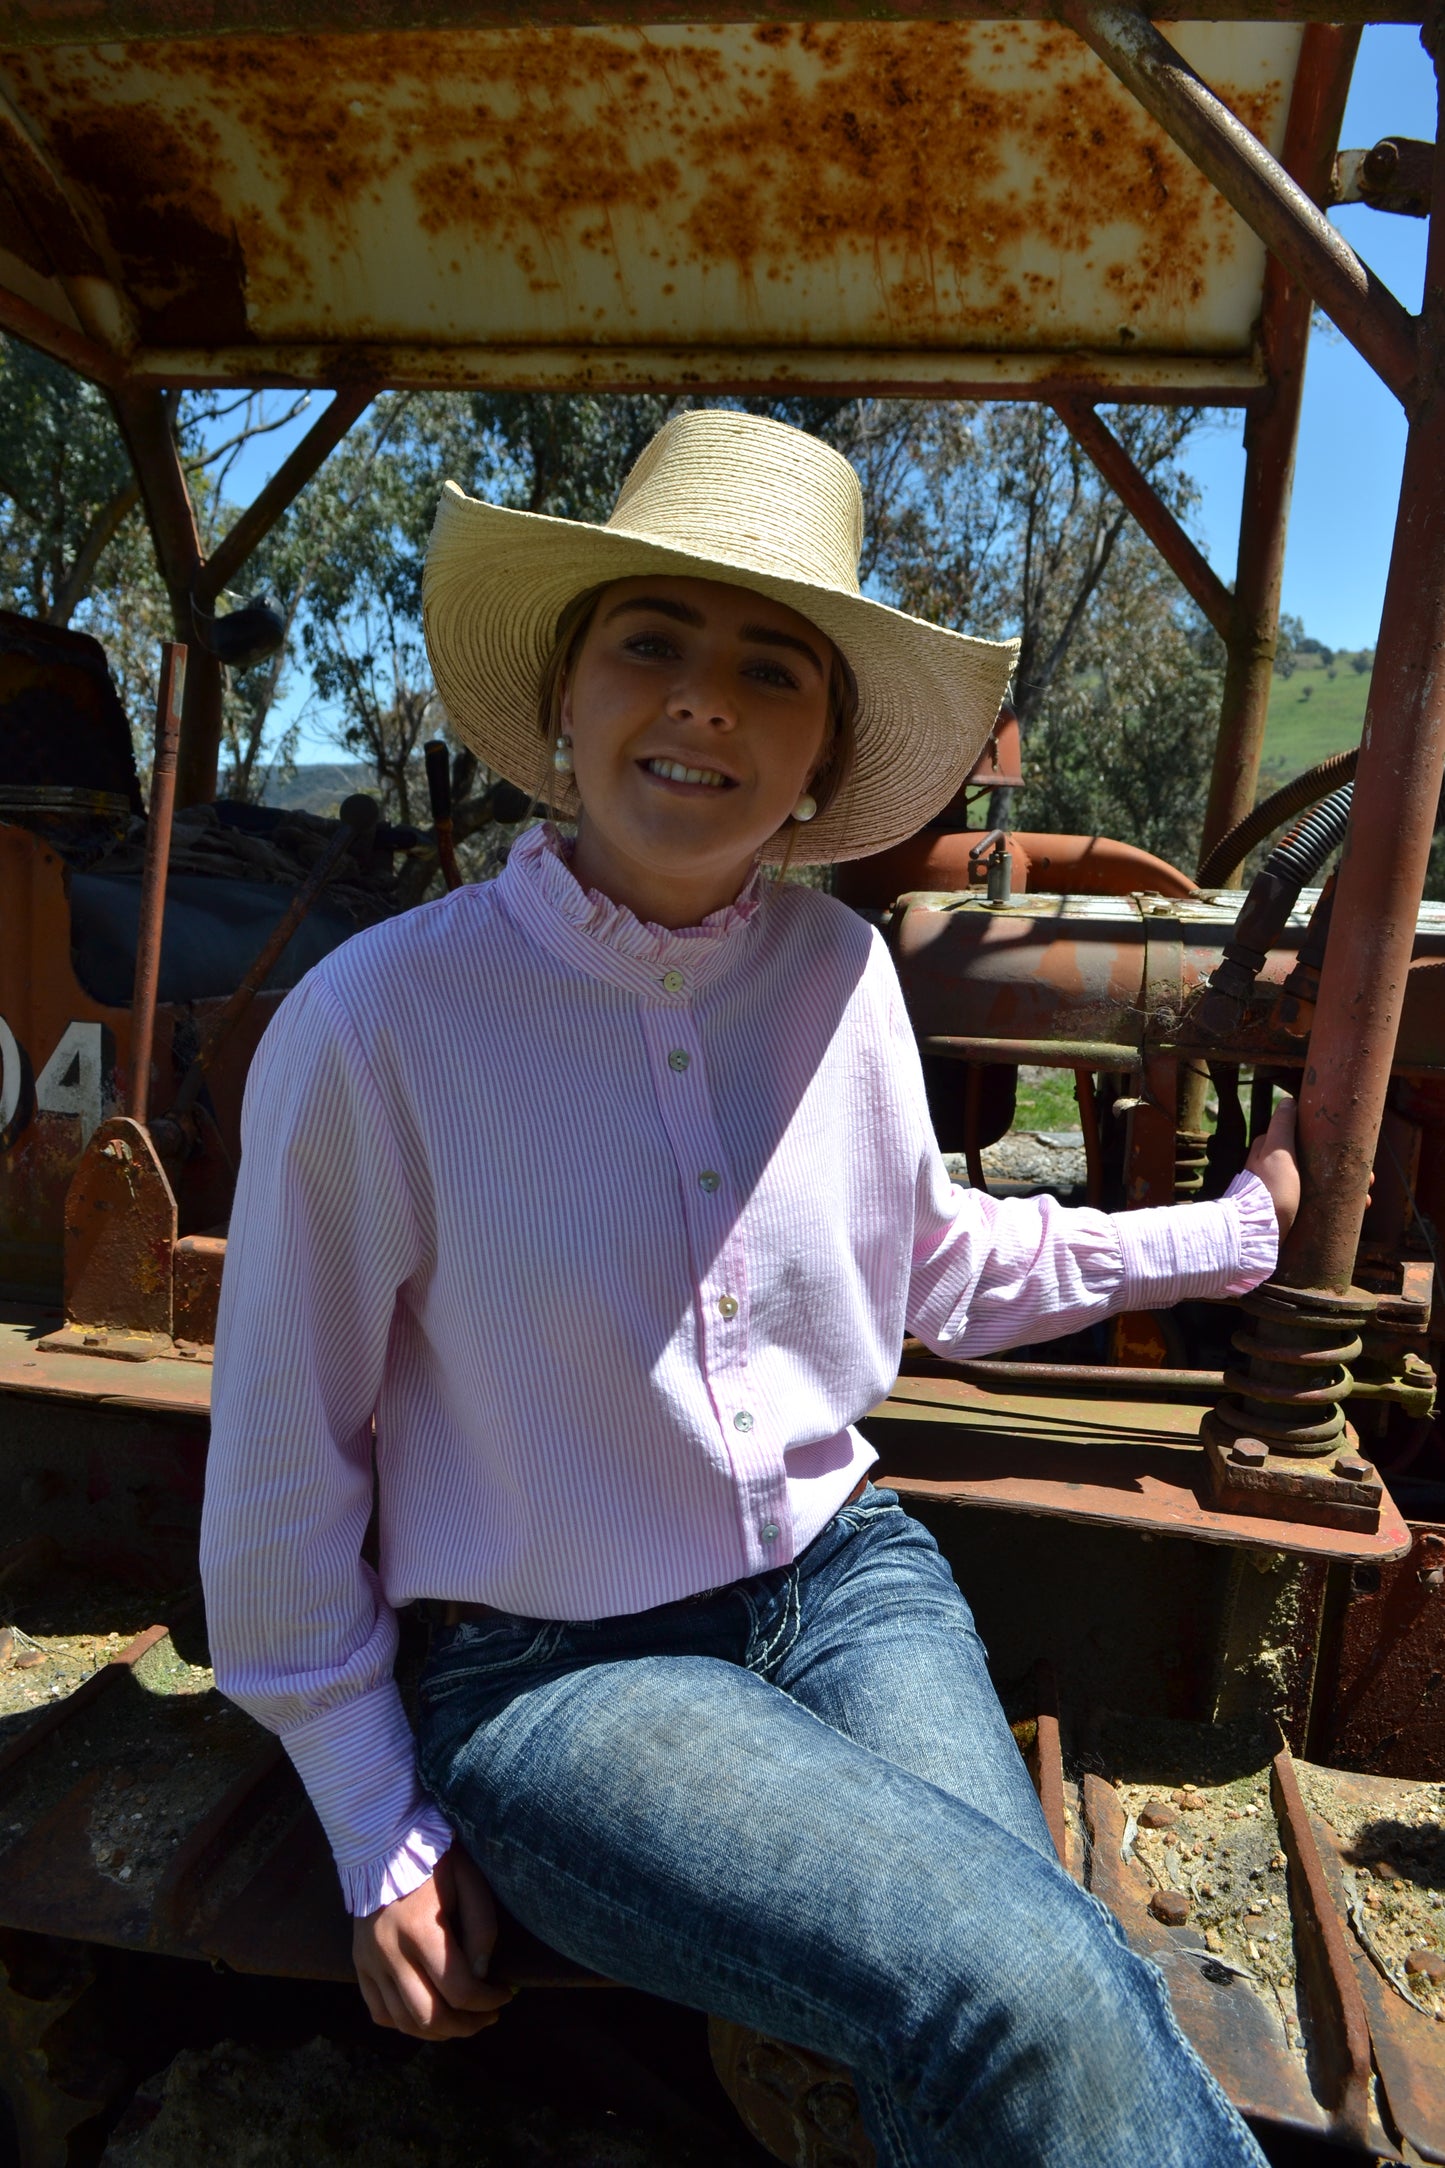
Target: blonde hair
574 622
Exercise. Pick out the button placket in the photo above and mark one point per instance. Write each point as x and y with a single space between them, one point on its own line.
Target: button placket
719 1266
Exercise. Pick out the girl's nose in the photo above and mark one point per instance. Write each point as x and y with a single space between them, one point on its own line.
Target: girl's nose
703 699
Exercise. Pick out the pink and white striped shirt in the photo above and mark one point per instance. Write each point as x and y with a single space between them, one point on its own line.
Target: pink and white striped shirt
615 1232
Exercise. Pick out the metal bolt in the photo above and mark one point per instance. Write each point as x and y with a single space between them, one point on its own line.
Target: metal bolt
117 1148
1430 1557
1249 1452
1351 1469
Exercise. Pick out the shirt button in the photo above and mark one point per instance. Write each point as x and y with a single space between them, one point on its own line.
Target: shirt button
678 1059
742 1420
673 982
727 1305
708 1180
769 1531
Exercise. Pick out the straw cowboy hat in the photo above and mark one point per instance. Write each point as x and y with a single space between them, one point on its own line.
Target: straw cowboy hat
718 496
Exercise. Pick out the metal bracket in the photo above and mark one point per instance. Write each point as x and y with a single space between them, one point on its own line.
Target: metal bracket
120 1238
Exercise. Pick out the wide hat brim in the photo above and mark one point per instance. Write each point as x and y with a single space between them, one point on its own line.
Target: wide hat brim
496 581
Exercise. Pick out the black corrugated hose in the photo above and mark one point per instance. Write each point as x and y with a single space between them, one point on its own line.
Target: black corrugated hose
1273 894
1291 798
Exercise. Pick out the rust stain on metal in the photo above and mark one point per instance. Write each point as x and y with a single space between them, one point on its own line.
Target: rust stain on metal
1341 2028
1105 1462
942 183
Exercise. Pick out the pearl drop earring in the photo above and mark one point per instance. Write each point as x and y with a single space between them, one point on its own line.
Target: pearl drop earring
805 808
562 756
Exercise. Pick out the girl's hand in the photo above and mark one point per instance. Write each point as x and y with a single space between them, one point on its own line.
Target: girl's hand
1272 1158
421 1961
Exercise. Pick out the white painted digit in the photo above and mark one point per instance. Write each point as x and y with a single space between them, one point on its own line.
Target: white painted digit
70 1082
12 1076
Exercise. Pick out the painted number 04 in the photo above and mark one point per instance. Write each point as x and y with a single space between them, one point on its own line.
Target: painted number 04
72 1081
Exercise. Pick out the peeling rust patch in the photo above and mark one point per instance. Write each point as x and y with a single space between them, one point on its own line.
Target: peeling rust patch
924 184
171 232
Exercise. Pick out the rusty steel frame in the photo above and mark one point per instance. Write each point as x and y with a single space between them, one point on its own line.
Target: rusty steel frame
1137 493
149 929
59 22
144 414
194 581
1387 849
1271 432
38 328
1360 994
1292 227
290 478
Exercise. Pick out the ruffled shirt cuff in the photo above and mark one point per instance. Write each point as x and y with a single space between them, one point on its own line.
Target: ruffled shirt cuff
379 1882
357 1761
1206 1252
1258 1231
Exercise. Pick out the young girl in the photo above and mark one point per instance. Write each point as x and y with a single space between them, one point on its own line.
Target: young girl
607 1192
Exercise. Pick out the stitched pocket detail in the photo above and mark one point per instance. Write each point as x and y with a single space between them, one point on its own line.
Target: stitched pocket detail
465 1657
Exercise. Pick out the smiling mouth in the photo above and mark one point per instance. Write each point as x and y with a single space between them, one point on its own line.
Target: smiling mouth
673 771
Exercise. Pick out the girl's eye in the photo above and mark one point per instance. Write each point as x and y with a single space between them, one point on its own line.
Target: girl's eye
774 673
649 643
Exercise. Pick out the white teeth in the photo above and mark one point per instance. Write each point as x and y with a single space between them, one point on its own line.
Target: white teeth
674 772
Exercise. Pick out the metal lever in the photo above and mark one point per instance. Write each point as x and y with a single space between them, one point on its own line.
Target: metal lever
439 791
153 879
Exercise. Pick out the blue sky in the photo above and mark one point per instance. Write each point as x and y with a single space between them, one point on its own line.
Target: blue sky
1352 431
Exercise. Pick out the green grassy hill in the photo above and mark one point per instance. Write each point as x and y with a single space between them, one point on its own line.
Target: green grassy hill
1313 712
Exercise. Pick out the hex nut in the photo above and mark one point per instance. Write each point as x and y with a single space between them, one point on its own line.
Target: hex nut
1249 1452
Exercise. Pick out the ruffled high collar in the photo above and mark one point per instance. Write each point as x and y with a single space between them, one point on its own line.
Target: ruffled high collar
541 891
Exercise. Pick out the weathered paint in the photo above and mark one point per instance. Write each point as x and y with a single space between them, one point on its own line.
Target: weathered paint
930 188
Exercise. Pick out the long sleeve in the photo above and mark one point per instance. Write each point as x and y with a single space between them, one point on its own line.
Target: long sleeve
1001 1272
322 1237
989 1273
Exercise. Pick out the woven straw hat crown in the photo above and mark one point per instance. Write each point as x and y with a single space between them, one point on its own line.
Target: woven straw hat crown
751 502
762 497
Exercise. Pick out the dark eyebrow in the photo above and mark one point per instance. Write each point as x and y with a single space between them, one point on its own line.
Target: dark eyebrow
662 604
684 614
765 636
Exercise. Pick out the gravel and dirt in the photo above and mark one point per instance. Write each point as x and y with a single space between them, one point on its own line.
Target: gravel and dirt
1392 1863
586 2079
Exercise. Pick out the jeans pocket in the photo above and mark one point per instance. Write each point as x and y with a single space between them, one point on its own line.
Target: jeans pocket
875 1504
476 1659
471 1673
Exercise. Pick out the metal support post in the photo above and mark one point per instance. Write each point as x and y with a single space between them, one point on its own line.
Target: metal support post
192 581
1311 1313
1387 847
151 924
1322 81
145 423
1137 493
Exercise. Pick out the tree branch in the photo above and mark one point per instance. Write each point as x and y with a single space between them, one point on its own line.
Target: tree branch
101 532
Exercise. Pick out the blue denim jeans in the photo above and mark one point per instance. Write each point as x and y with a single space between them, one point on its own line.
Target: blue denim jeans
796 1803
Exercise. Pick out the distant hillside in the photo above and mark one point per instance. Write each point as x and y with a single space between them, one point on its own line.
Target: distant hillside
1313 712
319 786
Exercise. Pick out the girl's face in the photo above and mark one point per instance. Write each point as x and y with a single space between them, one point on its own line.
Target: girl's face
698 714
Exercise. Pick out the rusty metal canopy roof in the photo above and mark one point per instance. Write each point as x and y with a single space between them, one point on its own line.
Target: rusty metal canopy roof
944 205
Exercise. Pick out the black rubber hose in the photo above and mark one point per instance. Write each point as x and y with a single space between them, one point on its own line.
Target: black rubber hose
1263 915
1271 812
1301 853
